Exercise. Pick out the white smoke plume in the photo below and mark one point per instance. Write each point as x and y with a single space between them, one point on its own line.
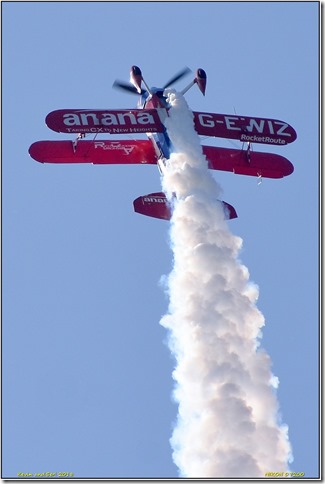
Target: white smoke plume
228 422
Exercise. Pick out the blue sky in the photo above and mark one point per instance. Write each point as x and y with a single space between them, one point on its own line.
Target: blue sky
86 371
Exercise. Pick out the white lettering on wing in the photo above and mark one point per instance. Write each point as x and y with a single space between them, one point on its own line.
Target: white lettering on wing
154 200
117 119
114 145
206 121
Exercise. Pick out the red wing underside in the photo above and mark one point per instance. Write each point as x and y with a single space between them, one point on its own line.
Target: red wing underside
97 152
267 165
244 128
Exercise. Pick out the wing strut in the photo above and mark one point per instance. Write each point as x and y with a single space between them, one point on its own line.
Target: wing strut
75 141
248 152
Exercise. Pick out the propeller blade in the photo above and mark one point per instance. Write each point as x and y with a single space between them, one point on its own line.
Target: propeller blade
178 76
124 86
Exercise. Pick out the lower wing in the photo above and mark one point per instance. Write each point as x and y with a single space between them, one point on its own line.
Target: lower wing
253 163
96 152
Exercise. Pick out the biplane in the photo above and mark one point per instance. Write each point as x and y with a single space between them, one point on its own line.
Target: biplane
149 118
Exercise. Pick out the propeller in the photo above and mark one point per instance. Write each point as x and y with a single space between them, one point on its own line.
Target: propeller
178 76
125 86
136 77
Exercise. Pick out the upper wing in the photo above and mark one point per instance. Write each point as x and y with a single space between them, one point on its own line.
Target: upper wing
267 165
103 121
97 152
257 130
243 128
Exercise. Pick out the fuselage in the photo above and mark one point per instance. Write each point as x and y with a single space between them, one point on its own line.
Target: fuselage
161 141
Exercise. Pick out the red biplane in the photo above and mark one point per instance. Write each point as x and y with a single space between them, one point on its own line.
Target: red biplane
149 118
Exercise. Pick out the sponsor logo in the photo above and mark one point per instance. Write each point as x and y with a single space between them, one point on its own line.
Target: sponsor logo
114 145
262 139
154 200
104 121
101 129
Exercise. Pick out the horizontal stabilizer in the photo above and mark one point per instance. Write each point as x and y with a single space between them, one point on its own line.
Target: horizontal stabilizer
229 211
153 205
156 205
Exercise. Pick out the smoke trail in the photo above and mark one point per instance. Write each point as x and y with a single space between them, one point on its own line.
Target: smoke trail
228 423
